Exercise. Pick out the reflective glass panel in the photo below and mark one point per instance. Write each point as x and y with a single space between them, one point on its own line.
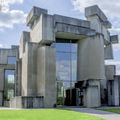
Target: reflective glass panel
74 67
63 66
11 60
9 84
63 47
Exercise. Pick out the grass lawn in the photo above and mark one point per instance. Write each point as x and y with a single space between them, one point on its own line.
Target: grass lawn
115 110
44 114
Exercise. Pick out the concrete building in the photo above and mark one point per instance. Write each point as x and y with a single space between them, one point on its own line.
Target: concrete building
61 61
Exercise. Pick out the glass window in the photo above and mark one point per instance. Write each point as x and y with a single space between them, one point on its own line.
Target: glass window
9 84
10 78
63 47
11 60
66 72
10 94
74 67
74 48
63 66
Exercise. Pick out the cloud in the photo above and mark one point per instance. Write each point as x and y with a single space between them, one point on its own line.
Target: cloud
1 46
7 3
63 69
10 17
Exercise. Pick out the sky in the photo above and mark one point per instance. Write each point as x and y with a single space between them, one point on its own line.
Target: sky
14 13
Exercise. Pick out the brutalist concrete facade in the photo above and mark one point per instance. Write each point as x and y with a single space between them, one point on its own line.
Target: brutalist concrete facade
35 71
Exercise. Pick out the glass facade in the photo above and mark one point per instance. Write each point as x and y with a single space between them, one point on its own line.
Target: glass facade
66 71
11 60
9 84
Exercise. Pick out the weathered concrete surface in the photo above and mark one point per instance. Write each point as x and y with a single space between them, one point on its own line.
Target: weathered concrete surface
98 113
27 102
34 14
114 39
91 64
24 39
46 70
108 52
110 71
18 77
90 99
95 10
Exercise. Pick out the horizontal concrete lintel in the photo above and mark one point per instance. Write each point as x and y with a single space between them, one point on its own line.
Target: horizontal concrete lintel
107 24
34 14
7 67
95 10
75 29
71 21
114 39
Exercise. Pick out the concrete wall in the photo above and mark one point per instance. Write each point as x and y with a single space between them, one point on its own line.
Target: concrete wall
24 39
47 75
91 58
43 30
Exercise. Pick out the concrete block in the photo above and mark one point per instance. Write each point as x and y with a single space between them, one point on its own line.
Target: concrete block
93 11
64 28
110 71
34 14
114 39
71 21
107 24
46 70
1 98
108 52
43 31
91 64
24 39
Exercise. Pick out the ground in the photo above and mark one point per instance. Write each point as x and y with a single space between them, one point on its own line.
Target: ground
114 110
45 114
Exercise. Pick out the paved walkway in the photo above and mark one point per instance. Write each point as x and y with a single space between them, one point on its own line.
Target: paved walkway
98 113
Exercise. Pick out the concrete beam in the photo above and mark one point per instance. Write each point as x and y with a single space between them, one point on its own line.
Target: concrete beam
34 14
114 39
93 11
71 29
71 21
107 24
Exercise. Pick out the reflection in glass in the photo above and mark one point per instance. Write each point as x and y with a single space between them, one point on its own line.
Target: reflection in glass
66 70
63 47
11 60
63 66
9 84
74 66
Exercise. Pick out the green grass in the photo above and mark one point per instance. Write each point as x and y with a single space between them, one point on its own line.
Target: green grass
45 114
114 110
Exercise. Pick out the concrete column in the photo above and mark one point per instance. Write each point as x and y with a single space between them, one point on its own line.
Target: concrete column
113 92
1 98
18 71
92 94
46 71
91 58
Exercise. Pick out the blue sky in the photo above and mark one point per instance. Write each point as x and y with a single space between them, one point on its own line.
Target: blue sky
13 16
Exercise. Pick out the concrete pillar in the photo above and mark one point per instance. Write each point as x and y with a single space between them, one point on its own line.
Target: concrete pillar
113 92
91 58
1 98
46 75
18 71
92 94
